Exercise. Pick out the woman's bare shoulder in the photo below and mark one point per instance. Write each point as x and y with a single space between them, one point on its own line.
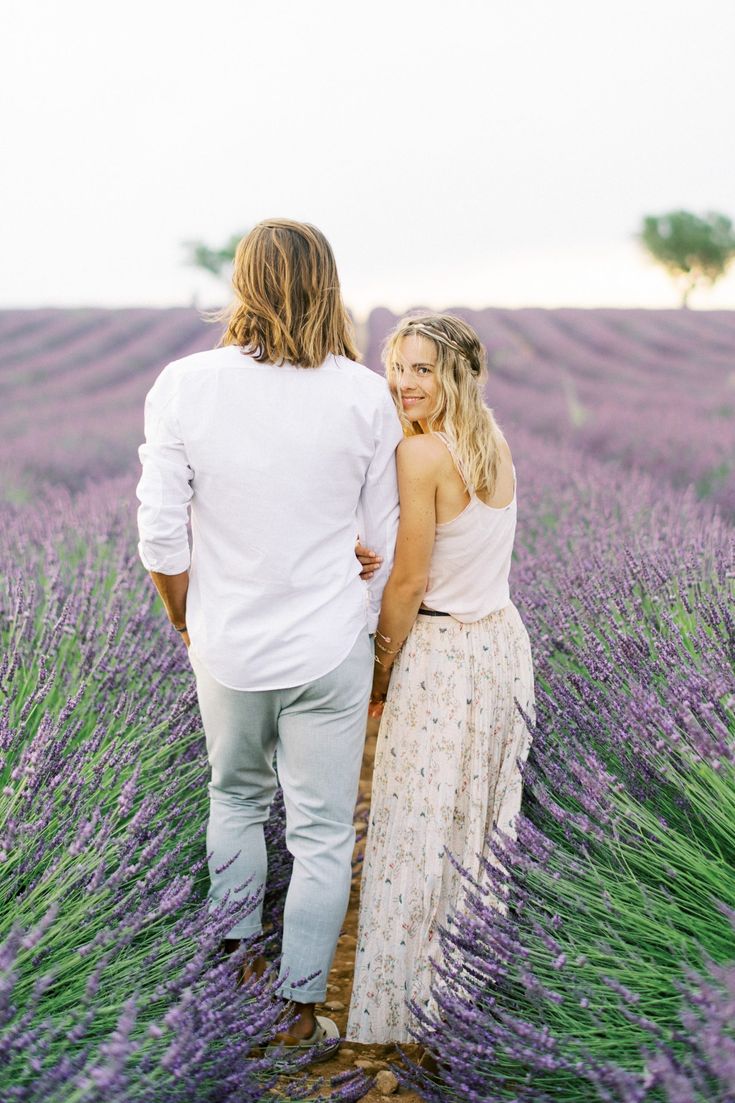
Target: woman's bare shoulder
423 450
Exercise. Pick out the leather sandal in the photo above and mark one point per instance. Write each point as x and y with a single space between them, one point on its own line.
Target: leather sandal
325 1039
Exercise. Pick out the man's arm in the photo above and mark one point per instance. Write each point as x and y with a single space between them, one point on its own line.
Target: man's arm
172 589
379 503
164 492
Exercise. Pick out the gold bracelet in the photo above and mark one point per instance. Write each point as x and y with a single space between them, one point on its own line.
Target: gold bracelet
377 660
386 638
388 650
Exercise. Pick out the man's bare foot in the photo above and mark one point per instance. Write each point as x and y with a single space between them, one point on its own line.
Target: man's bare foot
300 1028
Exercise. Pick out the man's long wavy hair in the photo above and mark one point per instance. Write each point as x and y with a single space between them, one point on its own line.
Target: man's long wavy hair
288 305
460 412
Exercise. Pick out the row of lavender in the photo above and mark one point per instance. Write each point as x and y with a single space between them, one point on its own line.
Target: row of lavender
112 987
609 972
653 390
72 384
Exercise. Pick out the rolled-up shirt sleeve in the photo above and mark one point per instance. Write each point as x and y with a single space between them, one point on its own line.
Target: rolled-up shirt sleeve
165 487
378 509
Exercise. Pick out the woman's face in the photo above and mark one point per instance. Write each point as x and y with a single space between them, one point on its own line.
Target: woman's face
416 381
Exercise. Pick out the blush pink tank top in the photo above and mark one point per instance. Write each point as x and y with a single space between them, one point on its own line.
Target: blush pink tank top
470 562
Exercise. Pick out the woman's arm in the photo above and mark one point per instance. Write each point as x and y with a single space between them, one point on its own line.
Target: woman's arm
417 461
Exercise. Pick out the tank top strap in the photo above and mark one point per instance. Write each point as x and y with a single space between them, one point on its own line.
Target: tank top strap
451 448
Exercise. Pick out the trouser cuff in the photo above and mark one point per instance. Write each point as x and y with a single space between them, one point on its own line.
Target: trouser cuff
302 994
244 930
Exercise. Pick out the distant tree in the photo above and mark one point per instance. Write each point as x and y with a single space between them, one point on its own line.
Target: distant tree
693 250
212 260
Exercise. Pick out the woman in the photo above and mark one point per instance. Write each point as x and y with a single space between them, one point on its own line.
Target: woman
453 662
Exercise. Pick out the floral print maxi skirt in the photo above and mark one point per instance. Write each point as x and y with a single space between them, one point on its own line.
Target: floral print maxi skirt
446 772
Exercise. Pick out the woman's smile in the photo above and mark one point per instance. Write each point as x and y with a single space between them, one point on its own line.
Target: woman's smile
416 367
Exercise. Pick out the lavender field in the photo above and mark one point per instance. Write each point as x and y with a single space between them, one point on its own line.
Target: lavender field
609 973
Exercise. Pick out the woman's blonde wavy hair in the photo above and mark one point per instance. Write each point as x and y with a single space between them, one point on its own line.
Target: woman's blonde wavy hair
460 412
288 305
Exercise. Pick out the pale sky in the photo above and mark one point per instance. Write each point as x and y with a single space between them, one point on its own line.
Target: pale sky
455 152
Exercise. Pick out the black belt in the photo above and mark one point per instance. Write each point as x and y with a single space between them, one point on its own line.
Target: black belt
433 613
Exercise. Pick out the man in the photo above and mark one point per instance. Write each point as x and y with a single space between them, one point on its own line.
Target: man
276 441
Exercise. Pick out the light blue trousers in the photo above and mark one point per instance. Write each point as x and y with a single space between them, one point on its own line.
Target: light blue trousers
317 732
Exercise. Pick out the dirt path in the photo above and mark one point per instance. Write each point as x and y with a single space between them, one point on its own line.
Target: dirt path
339 985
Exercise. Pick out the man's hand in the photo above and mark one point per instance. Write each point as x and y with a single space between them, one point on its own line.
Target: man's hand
368 560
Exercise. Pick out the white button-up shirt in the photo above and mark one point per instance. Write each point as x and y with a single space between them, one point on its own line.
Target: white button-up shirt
281 467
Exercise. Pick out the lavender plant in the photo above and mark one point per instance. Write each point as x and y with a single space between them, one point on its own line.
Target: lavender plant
112 984
594 960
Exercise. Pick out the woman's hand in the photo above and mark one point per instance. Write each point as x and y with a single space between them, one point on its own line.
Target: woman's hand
379 692
375 709
369 561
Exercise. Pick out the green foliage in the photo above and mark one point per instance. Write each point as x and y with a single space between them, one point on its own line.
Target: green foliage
213 260
693 249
